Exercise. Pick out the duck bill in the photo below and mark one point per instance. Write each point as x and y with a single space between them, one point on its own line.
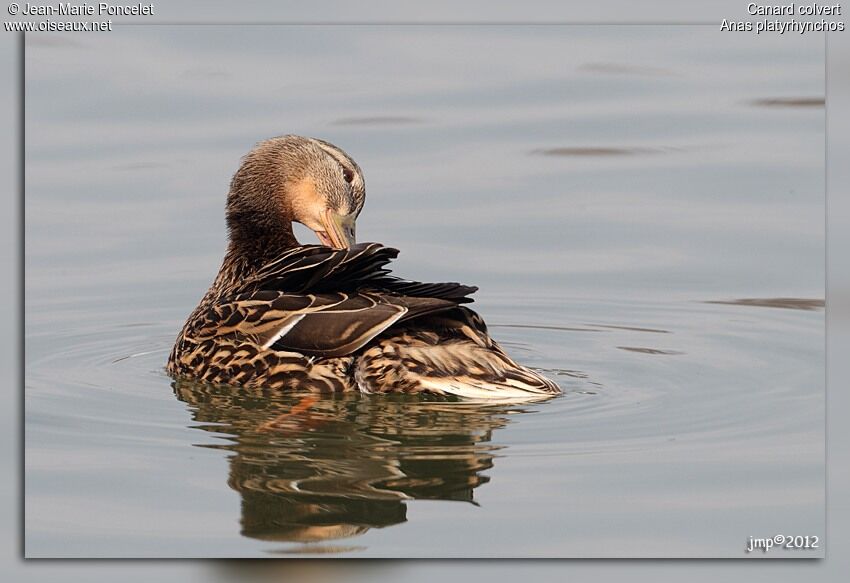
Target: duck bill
339 230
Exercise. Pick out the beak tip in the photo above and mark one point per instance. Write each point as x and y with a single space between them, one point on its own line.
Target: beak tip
339 230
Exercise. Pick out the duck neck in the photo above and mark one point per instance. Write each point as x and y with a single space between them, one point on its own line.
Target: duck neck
245 256
257 237
255 248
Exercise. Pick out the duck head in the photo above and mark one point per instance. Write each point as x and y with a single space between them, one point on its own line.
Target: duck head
295 179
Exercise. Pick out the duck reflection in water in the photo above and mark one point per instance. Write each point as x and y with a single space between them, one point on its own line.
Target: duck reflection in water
313 468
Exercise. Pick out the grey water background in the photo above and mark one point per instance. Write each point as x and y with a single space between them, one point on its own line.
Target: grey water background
600 185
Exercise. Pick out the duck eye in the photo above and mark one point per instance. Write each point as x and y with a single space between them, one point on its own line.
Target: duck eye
347 175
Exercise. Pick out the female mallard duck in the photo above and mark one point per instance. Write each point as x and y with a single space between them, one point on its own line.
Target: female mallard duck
328 317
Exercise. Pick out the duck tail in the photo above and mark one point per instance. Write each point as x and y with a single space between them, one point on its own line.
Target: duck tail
424 362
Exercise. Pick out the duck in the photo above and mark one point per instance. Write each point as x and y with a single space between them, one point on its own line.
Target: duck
330 317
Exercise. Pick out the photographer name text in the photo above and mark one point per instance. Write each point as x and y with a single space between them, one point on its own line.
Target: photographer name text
85 9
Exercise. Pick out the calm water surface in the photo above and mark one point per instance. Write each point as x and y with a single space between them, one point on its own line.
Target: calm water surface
642 207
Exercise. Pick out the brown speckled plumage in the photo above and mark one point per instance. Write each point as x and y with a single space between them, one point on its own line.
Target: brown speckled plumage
281 315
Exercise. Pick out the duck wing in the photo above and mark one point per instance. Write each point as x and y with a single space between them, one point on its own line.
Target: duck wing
323 325
324 302
316 268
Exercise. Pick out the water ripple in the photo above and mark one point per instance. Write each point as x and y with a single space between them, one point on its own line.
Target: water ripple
785 303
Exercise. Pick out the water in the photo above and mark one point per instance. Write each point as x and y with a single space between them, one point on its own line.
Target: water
642 207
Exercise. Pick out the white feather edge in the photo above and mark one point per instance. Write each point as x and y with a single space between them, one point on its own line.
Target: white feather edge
290 324
490 392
